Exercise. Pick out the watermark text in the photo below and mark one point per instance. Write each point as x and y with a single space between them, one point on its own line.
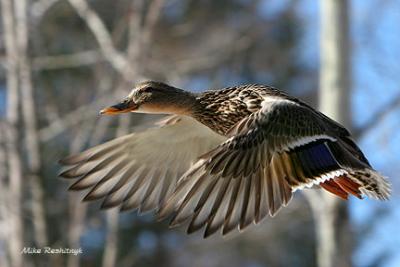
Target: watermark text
50 250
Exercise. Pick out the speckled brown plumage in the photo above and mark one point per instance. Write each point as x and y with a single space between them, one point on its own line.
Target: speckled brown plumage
222 109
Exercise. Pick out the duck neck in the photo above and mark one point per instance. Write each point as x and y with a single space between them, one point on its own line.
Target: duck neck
171 101
184 103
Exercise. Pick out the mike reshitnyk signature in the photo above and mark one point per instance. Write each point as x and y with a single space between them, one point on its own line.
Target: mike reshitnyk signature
50 250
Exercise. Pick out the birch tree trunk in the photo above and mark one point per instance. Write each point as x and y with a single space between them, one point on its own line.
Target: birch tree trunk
14 158
335 62
29 118
331 215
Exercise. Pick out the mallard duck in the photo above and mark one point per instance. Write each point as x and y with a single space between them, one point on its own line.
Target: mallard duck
223 159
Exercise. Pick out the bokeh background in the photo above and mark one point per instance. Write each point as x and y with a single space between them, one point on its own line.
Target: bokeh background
61 61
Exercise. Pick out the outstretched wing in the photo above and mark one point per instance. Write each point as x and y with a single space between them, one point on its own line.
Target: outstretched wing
282 147
140 170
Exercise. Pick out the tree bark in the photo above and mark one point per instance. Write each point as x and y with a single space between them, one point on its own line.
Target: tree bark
331 215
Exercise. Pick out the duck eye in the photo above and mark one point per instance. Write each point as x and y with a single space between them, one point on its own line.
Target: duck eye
147 89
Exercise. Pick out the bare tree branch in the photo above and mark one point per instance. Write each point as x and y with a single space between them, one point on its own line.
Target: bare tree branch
87 111
78 59
102 35
377 117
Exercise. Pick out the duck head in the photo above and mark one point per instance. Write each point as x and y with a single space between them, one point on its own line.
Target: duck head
154 97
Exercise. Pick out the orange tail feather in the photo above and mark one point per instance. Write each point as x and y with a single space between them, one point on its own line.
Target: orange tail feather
349 186
332 187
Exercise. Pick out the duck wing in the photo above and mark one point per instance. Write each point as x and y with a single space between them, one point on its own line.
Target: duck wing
140 170
283 147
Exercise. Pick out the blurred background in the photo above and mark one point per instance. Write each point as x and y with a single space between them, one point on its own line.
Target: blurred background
61 61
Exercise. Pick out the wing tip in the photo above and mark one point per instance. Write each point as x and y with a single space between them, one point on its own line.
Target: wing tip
69 160
126 207
226 230
145 209
77 186
372 184
91 197
210 230
163 212
66 174
105 205
193 227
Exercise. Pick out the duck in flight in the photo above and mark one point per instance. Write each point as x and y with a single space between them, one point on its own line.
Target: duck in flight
223 159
